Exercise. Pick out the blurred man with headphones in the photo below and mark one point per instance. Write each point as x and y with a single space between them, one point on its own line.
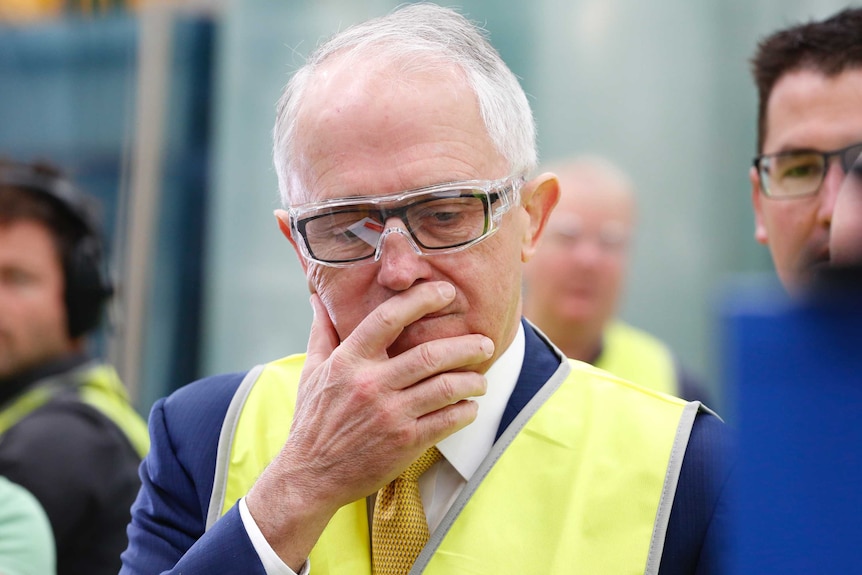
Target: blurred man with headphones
67 430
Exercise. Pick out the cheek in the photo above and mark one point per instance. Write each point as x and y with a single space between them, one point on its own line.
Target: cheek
790 222
344 293
499 278
846 241
616 271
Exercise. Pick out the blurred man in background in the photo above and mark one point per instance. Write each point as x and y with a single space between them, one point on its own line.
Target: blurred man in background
809 82
575 280
67 431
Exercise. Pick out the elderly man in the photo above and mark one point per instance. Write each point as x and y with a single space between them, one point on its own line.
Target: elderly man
575 279
809 81
427 427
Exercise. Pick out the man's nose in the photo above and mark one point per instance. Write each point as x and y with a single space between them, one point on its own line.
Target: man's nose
586 251
829 192
394 226
401 261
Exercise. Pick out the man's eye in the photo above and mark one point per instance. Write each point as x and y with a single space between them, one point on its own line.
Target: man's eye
806 170
445 216
343 236
16 277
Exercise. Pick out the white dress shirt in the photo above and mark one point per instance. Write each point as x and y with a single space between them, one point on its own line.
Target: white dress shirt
463 452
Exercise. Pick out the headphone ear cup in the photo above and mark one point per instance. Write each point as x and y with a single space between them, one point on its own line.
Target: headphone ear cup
87 288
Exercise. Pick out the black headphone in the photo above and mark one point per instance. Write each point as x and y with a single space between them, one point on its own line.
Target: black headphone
87 285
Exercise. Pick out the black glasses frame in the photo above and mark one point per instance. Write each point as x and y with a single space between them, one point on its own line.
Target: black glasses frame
847 162
488 200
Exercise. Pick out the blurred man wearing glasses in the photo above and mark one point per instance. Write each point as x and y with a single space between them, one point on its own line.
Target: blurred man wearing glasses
428 426
575 280
809 80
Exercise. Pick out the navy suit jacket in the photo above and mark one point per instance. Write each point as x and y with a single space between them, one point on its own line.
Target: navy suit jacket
167 535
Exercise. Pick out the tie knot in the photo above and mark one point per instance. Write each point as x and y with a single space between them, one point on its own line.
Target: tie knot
431 456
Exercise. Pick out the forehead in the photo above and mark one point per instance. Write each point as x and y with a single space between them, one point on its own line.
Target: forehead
593 195
366 129
810 110
30 234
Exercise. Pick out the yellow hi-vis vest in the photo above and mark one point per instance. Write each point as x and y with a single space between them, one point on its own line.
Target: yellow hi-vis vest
582 481
96 385
635 355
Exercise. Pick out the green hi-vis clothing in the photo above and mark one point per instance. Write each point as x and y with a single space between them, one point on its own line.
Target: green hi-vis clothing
585 484
635 355
26 540
98 386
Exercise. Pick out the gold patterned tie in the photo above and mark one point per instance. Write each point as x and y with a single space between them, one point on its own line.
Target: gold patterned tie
399 529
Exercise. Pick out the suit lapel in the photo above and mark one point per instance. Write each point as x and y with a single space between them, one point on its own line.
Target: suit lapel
540 363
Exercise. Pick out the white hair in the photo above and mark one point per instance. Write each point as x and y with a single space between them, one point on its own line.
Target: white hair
417 36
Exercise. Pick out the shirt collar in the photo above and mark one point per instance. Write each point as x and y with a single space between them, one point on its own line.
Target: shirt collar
466 449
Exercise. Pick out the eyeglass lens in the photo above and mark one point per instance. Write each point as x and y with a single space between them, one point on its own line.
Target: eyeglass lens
350 234
609 237
801 173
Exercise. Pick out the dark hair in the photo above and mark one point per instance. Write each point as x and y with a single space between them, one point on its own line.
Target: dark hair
18 203
38 192
829 47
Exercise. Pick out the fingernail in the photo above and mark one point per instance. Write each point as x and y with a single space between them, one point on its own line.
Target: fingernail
447 290
487 346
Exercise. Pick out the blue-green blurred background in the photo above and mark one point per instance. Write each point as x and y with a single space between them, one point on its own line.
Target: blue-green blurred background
165 112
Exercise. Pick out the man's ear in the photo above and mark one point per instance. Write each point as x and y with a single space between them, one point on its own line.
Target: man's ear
760 233
540 195
283 219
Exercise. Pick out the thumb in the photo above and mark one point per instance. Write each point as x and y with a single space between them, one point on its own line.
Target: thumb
323 338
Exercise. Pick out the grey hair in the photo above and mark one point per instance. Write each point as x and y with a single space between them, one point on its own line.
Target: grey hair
409 33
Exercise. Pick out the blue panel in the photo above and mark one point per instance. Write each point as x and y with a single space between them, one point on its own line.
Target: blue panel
795 373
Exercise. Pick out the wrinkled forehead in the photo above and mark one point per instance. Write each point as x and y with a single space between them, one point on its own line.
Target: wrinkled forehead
378 128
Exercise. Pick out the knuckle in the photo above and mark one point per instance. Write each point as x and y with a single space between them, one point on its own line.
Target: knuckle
446 388
452 417
428 355
404 436
364 388
387 318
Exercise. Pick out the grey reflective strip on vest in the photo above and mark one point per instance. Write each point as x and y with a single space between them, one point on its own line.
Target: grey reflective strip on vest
496 451
668 490
225 441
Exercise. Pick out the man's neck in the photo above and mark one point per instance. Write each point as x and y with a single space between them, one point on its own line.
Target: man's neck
14 384
581 344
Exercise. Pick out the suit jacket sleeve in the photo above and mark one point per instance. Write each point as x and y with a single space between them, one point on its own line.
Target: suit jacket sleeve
698 534
166 534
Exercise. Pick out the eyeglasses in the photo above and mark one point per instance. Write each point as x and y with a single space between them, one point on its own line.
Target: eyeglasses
610 237
439 219
799 173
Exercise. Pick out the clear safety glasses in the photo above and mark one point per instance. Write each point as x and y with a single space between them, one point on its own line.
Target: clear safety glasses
439 219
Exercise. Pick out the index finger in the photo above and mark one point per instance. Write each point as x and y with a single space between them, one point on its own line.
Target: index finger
384 324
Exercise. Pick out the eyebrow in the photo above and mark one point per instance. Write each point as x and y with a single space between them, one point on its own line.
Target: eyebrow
796 150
